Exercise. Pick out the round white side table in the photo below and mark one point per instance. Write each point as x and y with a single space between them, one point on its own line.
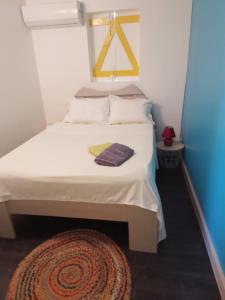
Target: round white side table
169 156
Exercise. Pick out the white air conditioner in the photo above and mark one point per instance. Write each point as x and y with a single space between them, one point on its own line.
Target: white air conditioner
58 14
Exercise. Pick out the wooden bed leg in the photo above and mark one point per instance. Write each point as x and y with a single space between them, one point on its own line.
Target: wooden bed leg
143 230
6 225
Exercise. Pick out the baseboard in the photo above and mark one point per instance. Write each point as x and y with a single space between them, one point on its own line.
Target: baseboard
220 277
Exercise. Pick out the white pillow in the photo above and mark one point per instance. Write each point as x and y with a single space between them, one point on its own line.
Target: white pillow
129 111
88 110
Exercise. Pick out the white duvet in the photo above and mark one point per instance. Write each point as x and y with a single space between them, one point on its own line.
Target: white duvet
56 165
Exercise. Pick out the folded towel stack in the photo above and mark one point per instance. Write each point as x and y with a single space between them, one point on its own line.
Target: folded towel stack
98 149
115 155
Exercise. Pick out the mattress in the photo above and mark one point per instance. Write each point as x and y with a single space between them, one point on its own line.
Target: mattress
56 165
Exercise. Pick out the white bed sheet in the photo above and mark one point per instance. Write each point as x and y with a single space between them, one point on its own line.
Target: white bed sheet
56 165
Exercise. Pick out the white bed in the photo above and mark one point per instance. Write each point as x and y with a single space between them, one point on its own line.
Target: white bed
53 174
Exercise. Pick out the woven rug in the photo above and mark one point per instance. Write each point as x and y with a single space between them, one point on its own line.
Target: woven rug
78 264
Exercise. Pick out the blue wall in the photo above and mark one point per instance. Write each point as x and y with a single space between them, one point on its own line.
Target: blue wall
203 126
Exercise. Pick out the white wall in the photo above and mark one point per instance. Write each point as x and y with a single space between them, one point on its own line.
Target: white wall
63 60
21 107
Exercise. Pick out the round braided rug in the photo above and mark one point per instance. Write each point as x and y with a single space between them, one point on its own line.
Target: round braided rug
78 264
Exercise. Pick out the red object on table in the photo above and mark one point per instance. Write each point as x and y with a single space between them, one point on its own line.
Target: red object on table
168 134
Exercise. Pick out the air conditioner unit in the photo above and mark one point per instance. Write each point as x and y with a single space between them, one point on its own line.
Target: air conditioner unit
37 16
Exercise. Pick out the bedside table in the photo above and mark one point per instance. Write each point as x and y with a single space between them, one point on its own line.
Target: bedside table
169 156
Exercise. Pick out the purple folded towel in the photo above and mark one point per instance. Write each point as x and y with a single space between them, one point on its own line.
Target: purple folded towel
115 155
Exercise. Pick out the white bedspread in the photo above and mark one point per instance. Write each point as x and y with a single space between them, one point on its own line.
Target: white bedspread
56 165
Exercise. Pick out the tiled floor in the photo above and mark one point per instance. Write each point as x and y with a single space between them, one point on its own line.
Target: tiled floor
180 271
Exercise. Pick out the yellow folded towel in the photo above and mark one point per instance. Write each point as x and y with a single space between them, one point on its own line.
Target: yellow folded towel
98 149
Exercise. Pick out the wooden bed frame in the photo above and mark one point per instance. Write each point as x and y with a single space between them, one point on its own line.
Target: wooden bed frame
142 223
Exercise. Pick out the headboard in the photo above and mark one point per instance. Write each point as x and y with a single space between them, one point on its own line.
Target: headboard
129 92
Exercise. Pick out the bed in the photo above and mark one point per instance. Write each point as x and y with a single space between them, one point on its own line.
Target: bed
53 174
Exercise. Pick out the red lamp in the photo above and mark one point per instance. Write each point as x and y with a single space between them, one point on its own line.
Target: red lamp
168 134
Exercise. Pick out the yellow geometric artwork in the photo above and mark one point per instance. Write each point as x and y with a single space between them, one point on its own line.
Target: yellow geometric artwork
115 28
